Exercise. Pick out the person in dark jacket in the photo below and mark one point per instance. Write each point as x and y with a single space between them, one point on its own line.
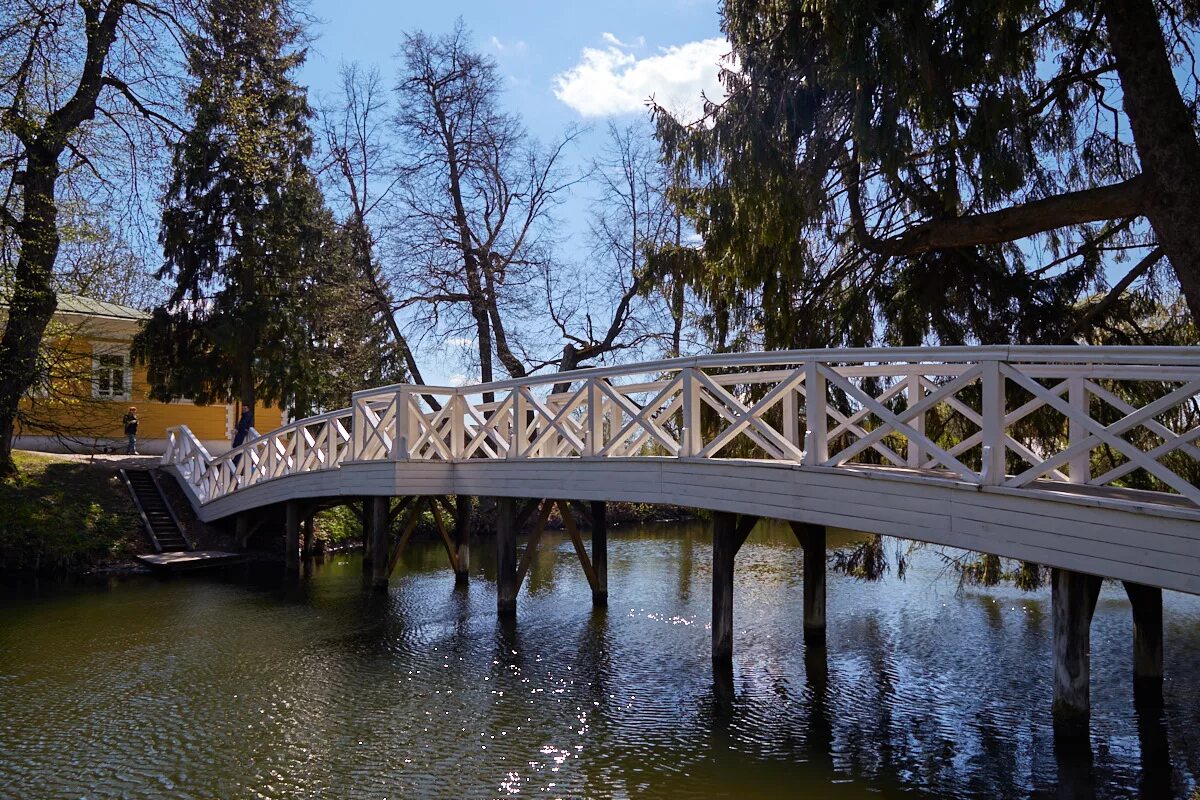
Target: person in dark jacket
243 428
131 426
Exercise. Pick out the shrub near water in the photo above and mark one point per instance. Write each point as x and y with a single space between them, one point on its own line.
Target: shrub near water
59 515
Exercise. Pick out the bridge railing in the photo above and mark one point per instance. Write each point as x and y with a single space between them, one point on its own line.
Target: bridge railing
308 445
990 416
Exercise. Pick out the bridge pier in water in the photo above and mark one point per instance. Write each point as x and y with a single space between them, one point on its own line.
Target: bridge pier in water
600 552
462 539
306 547
1146 603
360 510
377 536
812 544
1074 596
506 557
291 538
729 534
511 571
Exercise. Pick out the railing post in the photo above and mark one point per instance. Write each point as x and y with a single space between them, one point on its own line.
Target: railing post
457 429
692 439
791 417
301 440
400 438
915 395
520 425
358 428
272 458
816 439
992 408
595 419
1080 465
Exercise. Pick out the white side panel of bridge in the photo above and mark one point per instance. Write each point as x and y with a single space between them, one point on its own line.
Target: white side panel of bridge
1115 539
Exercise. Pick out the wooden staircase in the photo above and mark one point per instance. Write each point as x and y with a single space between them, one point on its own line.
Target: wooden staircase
165 531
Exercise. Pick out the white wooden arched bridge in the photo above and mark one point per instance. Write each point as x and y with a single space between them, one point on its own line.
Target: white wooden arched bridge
1081 459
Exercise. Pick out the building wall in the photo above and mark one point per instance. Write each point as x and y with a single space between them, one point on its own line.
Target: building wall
69 406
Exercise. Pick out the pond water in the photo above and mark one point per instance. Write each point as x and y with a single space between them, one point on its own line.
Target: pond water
242 685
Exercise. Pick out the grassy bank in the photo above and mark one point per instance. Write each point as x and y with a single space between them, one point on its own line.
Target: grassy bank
61 515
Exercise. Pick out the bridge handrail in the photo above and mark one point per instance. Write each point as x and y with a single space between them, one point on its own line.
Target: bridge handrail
1006 416
1033 354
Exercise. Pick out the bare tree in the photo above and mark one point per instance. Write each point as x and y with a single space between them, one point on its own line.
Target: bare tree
630 300
361 179
476 195
85 87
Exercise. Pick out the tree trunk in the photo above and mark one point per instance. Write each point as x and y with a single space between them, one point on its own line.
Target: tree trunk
471 265
676 316
569 361
246 393
1163 134
33 300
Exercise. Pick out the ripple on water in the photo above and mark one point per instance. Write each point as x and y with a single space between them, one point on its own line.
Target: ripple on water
244 688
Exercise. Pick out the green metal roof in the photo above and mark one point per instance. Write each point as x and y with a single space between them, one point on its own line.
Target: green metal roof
74 304
86 306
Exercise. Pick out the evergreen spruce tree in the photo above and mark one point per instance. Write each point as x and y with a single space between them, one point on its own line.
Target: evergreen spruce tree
342 344
241 230
953 172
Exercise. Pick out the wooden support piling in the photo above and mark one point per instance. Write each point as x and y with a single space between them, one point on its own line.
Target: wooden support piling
1073 596
241 530
1146 603
589 570
729 533
462 538
812 543
506 558
531 546
360 510
436 506
376 512
291 539
307 546
600 552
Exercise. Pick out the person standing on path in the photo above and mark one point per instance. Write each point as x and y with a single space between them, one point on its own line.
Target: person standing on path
244 424
131 426
243 427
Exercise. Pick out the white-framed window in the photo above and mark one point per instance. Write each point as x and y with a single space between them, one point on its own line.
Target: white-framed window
111 374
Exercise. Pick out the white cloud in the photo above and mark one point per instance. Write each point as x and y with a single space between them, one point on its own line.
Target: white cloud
611 81
615 42
458 380
518 46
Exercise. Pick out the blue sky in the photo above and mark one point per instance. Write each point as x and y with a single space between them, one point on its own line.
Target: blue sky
565 63
607 53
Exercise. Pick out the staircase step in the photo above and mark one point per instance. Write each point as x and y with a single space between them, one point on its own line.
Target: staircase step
156 512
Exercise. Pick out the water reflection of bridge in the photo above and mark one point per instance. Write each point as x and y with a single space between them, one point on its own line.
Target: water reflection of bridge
1080 459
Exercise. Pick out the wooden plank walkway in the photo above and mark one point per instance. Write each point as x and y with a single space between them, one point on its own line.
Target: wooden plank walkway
193 559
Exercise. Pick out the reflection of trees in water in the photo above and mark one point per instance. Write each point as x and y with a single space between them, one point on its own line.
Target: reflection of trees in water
687 545
1156 777
883 719
592 666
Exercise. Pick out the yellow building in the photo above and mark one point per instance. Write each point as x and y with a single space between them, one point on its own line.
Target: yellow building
87 381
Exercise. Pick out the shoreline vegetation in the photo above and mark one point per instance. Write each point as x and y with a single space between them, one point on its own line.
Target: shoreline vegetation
66 516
